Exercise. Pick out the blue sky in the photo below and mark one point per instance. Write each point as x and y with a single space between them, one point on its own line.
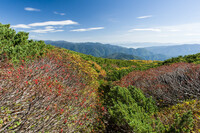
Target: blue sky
106 21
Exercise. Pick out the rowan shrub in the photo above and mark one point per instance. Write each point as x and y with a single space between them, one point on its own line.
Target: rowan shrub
168 84
49 94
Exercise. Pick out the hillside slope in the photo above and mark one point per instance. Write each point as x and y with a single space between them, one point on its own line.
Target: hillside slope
123 56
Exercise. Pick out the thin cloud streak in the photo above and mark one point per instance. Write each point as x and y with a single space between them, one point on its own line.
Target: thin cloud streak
62 14
143 17
31 9
146 29
87 29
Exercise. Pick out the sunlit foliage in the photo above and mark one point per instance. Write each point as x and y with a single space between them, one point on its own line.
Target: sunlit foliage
167 84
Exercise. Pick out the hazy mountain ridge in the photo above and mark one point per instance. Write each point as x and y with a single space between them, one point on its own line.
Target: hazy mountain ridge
103 50
175 50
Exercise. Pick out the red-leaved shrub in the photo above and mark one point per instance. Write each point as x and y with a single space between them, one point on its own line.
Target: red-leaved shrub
48 94
168 84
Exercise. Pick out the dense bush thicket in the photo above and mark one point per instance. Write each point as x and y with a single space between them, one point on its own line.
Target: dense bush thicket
167 84
132 107
16 46
131 111
48 94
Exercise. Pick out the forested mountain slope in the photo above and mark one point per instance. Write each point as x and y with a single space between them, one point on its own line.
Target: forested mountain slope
104 50
123 56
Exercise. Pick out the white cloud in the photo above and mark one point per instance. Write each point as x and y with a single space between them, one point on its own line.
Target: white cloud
59 13
49 27
46 30
47 23
21 26
65 22
142 17
31 9
88 29
146 29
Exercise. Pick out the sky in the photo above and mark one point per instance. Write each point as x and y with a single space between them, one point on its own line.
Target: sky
105 21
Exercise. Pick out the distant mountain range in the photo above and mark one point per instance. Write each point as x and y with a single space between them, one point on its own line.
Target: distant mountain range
142 44
119 52
107 50
175 50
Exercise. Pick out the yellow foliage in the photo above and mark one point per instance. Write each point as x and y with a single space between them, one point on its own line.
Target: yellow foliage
121 68
145 61
167 114
84 67
102 72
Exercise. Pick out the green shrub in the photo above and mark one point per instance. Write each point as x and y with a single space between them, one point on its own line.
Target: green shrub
182 124
129 105
16 46
195 58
